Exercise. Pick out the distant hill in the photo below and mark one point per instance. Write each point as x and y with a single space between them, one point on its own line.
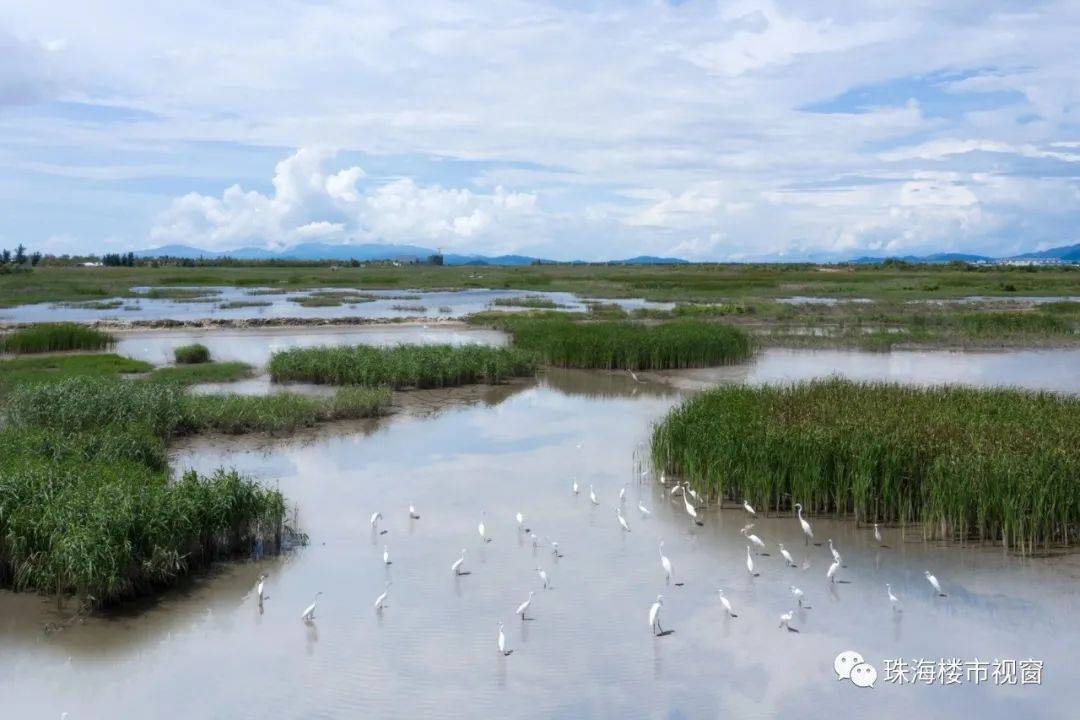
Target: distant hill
367 252
1066 253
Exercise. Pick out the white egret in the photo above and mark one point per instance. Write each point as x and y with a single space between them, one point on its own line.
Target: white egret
309 612
574 487
750 563
748 507
261 586
758 542
674 489
654 616
665 563
622 494
386 555
786 555
830 574
375 518
644 510
482 529
456 567
726 603
785 621
622 520
413 515
524 607
521 522
543 577
835 554
501 640
592 496
691 511
877 533
807 530
693 493
633 375
555 549
798 595
934 581
663 479
893 600
380 602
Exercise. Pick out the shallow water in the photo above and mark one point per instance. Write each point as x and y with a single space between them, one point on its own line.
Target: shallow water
387 305
588 653
255 346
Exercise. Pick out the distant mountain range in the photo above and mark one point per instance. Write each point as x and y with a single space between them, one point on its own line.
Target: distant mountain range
410 253
366 252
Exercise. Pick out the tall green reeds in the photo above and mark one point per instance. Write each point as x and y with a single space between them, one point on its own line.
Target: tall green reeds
55 337
420 366
997 465
628 345
192 354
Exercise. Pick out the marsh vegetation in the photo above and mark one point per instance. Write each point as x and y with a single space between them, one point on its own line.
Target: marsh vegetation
54 337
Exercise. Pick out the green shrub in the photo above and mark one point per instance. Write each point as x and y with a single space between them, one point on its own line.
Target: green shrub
192 354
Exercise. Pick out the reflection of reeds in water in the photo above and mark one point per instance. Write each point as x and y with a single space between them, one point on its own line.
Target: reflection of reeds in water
997 465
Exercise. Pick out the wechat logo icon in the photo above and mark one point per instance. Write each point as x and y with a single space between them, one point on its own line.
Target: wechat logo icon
850 665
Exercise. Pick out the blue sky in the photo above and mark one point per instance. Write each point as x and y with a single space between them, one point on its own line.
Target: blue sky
712 131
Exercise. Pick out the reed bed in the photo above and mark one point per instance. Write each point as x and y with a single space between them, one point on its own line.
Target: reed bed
192 354
996 465
78 405
203 372
529 301
402 366
55 337
629 345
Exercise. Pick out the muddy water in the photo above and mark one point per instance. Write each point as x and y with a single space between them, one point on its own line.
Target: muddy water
216 302
256 346
207 651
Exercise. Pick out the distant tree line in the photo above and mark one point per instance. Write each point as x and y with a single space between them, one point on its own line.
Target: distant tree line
16 259
118 259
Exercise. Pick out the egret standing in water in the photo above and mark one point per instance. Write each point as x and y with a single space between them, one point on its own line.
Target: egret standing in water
654 616
386 555
574 487
933 581
375 518
726 603
754 539
543 577
785 621
835 554
808 532
456 568
622 520
642 509
893 600
309 612
501 641
260 587
524 607
482 529
622 494
750 563
877 533
798 595
413 515
665 563
380 602
555 550
830 574
691 511
786 555
748 507
521 522
592 496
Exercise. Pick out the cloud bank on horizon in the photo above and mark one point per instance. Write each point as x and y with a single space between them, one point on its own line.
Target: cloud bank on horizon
711 131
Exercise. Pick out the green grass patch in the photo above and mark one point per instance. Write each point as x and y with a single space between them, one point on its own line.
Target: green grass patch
204 372
175 293
50 368
55 337
192 354
237 304
530 301
420 366
997 465
629 345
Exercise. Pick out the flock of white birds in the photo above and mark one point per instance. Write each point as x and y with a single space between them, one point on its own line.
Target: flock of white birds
693 503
